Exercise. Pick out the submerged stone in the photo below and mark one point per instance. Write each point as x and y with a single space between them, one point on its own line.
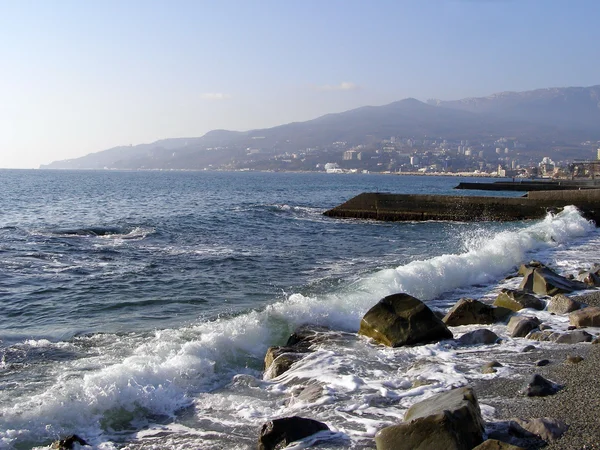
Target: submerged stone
278 433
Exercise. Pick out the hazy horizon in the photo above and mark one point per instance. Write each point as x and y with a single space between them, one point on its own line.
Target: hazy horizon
82 78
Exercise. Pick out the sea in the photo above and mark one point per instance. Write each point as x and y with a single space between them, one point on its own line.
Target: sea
137 307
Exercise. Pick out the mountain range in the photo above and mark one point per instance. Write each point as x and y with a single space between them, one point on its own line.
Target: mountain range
566 115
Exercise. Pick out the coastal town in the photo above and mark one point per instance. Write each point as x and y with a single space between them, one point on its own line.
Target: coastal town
503 157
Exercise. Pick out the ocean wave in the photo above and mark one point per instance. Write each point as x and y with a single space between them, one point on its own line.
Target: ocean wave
129 385
136 232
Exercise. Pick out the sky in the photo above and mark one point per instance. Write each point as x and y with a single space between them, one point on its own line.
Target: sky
78 77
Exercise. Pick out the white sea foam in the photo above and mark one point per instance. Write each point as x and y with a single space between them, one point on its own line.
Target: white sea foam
142 377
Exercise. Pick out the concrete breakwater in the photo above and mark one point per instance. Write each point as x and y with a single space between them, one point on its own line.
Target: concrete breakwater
528 186
418 207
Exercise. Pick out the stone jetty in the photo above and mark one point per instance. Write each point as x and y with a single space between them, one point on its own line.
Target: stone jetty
417 207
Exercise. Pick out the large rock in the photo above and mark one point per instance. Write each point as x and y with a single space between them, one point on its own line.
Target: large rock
468 312
515 300
278 433
561 304
545 281
401 319
586 317
451 421
521 326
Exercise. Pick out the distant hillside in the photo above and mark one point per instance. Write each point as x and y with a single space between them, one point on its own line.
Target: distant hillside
557 113
575 108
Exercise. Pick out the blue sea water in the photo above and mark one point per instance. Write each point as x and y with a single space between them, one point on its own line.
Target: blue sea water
137 306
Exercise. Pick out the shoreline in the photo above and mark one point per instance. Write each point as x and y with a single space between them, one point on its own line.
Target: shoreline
577 403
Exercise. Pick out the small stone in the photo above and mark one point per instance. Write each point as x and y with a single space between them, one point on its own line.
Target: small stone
574 359
528 348
596 340
540 387
545 327
546 428
571 327
493 444
490 367
542 362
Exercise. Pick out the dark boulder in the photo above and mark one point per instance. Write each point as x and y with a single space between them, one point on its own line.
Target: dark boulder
401 319
521 326
540 387
545 281
516 300
481 336
451 420
468 311
278 433
68 443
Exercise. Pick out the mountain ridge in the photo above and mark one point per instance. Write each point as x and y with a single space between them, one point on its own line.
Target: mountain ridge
553 113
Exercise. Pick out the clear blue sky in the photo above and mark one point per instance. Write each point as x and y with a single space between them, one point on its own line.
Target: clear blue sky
82 76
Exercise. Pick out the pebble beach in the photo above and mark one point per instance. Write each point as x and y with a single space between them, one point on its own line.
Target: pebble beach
577 403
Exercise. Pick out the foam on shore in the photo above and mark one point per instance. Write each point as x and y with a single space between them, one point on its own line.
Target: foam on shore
131 381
